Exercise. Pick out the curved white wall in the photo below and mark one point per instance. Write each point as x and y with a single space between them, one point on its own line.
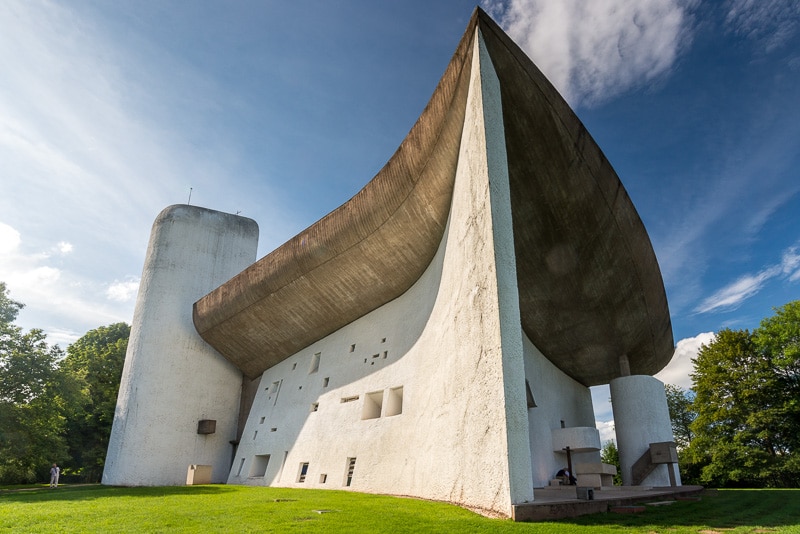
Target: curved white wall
641 417
171 378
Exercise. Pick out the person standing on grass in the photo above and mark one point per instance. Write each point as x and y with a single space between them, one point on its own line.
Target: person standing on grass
55 471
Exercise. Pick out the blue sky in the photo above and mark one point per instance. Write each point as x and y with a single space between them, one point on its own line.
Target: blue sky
110 111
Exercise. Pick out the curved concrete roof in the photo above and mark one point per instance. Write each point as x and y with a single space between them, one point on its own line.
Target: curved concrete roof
589 285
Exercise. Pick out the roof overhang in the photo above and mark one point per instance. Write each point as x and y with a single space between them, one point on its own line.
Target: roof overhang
589 284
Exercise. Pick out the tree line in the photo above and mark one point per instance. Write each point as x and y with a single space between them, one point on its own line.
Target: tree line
56 405
739 425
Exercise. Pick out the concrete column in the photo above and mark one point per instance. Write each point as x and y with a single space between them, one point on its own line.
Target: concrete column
641 417
172 379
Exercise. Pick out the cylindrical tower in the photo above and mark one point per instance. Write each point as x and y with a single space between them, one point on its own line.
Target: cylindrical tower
641 417
172 380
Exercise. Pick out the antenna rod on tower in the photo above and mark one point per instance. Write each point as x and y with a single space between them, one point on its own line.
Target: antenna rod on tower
190 196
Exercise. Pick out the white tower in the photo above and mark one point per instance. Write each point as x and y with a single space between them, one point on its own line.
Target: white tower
172 380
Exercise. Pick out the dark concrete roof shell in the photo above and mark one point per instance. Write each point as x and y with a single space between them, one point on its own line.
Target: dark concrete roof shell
589 284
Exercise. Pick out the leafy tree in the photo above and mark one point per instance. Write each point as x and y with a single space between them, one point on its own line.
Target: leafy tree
609 454
93 368
748 412
31 419
681 413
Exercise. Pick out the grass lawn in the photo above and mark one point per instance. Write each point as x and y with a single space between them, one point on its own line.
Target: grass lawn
220 508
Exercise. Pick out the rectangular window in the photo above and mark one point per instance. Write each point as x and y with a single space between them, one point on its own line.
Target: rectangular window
241 465
314 363
259 467
373 402
326 381
314 406
261 421
323 478
351 467
349 399
255 434
301 477
394 402
353 347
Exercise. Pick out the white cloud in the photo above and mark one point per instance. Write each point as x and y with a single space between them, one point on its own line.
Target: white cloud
64 248
9 239
746 286
592 51
678 370
607 431
123 291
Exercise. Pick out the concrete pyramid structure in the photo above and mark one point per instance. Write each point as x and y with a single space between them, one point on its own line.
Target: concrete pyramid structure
435 336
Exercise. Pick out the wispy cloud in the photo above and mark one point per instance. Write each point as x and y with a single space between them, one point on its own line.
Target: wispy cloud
770 22
732 295
592 51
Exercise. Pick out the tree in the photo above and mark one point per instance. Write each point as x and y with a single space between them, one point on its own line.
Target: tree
31 420
609 454
681 413
93 368
748 412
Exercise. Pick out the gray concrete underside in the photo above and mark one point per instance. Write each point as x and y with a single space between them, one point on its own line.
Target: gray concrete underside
589 284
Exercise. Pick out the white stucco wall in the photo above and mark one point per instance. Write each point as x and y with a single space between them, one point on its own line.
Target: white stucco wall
558 398
171 378
452 342
641 417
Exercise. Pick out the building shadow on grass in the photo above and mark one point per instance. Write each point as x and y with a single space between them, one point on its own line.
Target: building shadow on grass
87 492
716 510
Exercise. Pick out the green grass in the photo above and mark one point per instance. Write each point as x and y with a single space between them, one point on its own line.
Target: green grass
219 508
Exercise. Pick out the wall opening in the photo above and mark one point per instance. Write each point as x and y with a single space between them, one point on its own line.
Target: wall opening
261 421
283 464
259 467
373 402
255 434
241 465
276 388
323 478
394 402
314 406
353 347
314 363
301 475
349 399
326 381
529 395
348 475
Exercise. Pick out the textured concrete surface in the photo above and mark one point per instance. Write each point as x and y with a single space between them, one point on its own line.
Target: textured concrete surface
589 286
171 378
641 417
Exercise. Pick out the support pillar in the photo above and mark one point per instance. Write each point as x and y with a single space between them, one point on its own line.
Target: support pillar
641 417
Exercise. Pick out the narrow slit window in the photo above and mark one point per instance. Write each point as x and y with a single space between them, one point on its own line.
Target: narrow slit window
325 381
351 468
529 395
261 421
255 434
241 465
276 389
353 347
323 478
314 363
349 399
301 477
